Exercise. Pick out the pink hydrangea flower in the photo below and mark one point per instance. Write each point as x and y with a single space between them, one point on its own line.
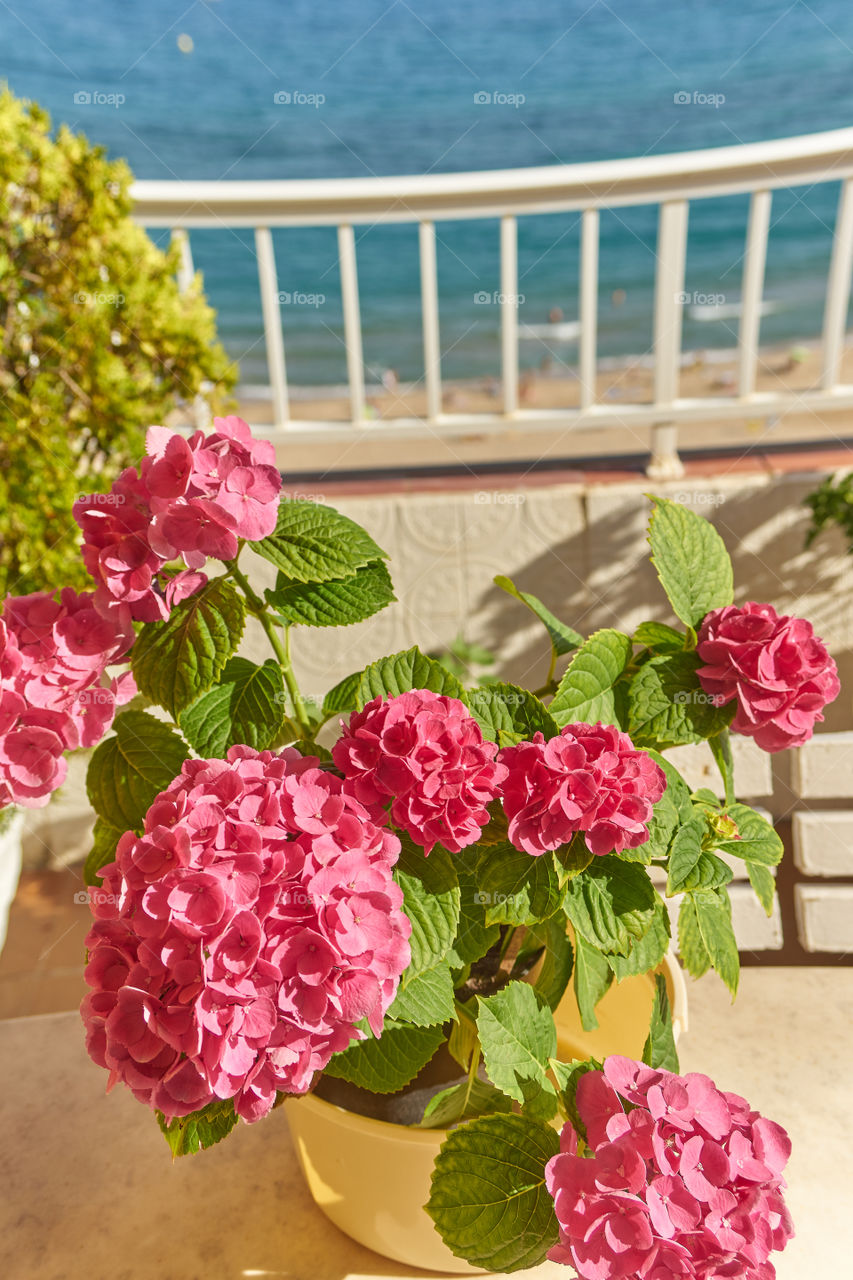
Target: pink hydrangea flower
425 753
776 668
192 498
54 694
686 1182
241 939
590 778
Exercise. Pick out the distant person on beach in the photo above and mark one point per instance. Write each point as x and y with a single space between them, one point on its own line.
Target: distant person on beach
390 381
618 298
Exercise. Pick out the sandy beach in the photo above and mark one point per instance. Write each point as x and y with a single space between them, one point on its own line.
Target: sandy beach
795 367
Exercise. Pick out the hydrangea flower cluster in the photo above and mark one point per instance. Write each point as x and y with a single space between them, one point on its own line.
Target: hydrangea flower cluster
686 1182
192 498
425 753
54 696
776 668
240 940
590 778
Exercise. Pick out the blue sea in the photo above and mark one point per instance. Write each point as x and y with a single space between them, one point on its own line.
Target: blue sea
330 88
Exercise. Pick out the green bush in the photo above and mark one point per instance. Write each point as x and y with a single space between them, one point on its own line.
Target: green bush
96 342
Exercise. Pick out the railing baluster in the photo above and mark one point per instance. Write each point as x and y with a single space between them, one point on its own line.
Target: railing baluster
752 290
509 312
669 305
588 310
352 321
429 315
273 336
186 270
838 289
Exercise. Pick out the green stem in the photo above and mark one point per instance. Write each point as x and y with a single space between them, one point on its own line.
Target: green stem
279 648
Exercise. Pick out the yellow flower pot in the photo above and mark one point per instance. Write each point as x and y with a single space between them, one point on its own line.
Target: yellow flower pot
372 1179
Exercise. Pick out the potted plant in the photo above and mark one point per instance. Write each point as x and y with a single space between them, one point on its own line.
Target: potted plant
409 934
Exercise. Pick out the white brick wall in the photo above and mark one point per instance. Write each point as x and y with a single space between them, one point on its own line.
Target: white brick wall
823 842
825 917
823 769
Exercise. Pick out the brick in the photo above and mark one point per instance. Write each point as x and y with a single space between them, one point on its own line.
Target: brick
823 842
753 772
823 768
825 917
753 929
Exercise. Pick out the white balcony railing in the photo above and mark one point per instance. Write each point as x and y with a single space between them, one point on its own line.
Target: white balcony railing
670 181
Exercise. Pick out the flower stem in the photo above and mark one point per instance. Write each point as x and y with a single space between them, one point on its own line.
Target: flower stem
280 648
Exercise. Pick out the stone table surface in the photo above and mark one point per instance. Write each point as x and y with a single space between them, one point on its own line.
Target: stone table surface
87 1190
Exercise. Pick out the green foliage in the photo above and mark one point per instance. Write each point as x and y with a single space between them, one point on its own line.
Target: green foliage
515 888
404 671
706 939
312 543
691 560
129 769
563 639
488 1199
659 1050
668 707
431 901
610 904
245 707
105 837
202 1129
507 713
338 603
390 1063
518 1038
175 661
831 503
96 342
474 1097
586 691
593 976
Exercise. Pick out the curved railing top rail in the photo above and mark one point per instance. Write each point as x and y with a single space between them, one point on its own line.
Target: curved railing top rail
783 162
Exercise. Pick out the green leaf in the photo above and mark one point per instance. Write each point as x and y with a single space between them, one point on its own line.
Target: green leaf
659 1050
568 1076
571 859
518 1037
105 837
647 952
314 543
757 842
563 639
473 936
427 999
464 1101
593 977
691 868
431 901
763 883
401 672
691 560
339 603
175 661
610 904
488 1199
129 769
344 696
515 888
557 960
585 693
657 635
673 808
706 938
389 1063
201 1129
507 713
667 705
246 708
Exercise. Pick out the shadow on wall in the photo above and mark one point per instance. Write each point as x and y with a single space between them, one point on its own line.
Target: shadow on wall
600 575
